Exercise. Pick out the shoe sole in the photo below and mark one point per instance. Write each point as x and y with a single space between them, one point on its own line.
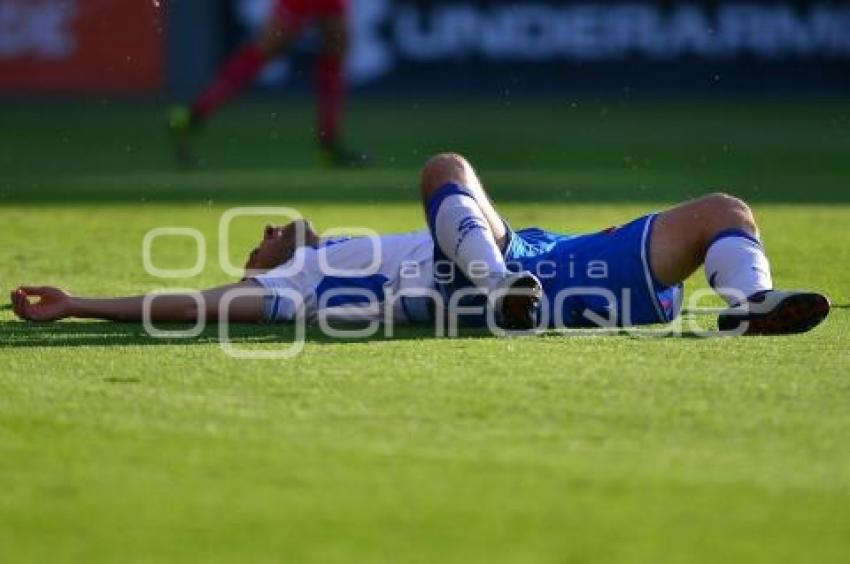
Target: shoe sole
795 314
517 309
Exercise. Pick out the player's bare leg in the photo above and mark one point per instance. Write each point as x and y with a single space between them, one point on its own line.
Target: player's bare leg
473 236
276 39
330 90
681 235
720 232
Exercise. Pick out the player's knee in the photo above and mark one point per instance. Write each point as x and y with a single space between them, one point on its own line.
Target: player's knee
441 169
729 212
445 164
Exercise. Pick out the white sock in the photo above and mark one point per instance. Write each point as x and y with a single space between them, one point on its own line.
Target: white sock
465 238
736 267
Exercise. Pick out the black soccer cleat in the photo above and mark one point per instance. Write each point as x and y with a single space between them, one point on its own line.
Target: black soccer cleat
774 312
334 155
518 302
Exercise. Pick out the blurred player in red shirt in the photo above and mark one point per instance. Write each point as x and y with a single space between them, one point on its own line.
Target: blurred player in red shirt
285 27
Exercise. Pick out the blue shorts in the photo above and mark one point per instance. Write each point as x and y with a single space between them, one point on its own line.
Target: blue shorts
605 274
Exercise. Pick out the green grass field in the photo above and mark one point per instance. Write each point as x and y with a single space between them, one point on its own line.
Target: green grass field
117 447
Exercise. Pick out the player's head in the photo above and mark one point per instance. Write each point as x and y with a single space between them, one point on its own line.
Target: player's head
278 245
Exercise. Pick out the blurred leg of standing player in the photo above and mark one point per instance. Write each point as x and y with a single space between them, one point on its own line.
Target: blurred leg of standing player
330 85
281 32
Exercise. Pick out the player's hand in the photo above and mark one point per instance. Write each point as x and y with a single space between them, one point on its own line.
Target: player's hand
41 303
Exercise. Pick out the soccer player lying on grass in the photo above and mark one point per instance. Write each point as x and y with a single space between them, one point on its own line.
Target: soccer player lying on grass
520 278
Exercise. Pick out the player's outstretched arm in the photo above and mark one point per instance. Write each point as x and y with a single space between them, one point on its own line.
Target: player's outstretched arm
43 303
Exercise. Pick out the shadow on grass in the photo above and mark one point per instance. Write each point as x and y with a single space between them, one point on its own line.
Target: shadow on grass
19 334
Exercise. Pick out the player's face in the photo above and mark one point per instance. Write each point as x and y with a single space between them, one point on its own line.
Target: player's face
278 245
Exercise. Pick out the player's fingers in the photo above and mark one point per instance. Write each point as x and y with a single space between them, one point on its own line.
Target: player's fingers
20 305
19 296
34 290
41 291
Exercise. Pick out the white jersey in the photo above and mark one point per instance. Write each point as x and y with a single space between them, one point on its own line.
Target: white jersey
362 278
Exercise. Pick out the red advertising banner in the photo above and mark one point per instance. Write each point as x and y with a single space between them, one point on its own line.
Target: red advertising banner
81 46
